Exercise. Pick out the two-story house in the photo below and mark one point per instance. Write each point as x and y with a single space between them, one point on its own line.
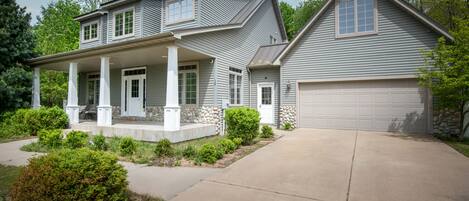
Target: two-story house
171 61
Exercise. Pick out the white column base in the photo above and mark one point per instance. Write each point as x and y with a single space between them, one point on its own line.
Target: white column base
73 113
172 118
104 115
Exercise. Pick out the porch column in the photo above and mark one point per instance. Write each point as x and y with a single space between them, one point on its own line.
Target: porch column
36 102
104 108
72 109
172 110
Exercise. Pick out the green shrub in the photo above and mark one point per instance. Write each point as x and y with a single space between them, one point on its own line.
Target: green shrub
227 146
243 123
79 174
25 122
189 152
238 142
127 146
209 153
99 142
76 139
287 126
266 132
164 148
51 138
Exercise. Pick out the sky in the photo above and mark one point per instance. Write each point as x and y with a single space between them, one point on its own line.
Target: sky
34 6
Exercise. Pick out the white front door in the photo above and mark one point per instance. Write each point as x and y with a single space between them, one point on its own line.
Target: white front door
134 87
265 102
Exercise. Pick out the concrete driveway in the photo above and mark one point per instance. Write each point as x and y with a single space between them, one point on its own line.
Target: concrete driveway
332 165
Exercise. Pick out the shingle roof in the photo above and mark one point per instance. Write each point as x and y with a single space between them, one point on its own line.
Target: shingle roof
266 55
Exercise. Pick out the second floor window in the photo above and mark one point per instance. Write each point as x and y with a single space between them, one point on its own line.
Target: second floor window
124 23
90 31
179 10
356 17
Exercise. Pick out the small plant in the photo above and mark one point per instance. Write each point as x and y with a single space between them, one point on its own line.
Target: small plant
164 148
72 174
76 139
287 126
242 122
189 152
51 138
237 141
127 146
266 132
209 153
99 142
227 146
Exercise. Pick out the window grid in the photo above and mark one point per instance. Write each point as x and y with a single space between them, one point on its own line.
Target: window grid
356 16
135 89
187 81
235 83
179 10
266 95
124 23
93 89
90 31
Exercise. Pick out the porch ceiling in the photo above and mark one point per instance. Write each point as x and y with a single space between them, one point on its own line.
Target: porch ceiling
149 55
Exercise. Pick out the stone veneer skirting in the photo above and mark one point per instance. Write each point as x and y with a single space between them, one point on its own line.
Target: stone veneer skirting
189 114
446 122
288 114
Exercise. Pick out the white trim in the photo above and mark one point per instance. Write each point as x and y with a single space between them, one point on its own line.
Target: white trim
356 32
392 77
266 84
122 106
183 96
98 31
113 31
166 15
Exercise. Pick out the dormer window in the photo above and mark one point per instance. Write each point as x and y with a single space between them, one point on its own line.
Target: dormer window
124 23
356 17
90 31
179 11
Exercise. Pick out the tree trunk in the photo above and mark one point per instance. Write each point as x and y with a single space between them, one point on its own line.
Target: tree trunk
463 127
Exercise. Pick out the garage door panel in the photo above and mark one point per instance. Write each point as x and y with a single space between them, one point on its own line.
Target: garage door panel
385 105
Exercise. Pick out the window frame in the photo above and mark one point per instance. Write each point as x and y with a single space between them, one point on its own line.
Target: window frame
98 31
88 79
196 71
236 74
114 37
356 33
166 13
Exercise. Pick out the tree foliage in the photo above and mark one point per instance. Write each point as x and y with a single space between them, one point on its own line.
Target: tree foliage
15 89
295 18
287 15
444 12
16 40
446 71
54 88
89 5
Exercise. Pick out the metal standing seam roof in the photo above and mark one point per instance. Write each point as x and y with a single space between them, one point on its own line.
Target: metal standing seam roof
266 55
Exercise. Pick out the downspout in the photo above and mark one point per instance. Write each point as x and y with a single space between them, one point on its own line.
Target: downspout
249 87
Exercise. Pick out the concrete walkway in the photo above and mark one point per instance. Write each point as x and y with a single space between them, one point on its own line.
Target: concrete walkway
332 165
155 181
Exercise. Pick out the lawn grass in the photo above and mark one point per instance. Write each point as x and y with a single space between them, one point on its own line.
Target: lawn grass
8 175
462 146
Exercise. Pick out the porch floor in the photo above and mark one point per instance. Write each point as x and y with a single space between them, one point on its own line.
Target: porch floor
150 131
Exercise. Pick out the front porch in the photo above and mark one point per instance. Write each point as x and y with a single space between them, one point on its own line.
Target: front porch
149 131
150 91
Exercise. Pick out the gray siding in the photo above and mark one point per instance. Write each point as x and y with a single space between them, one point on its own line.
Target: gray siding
217 12
234 48
151 21
266 75
395 50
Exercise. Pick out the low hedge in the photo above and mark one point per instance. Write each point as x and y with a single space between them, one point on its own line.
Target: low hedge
26 122
242 123
51 138
80 174
76 139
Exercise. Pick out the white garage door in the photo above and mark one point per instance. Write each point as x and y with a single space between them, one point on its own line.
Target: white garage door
384 105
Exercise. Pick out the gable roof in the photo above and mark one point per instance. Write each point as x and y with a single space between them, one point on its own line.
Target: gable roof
239 20
400 3
266 55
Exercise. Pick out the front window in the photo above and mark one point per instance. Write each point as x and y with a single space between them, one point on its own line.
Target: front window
187 80
356 17
179 10
93 89
235 81
124 23
90 31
